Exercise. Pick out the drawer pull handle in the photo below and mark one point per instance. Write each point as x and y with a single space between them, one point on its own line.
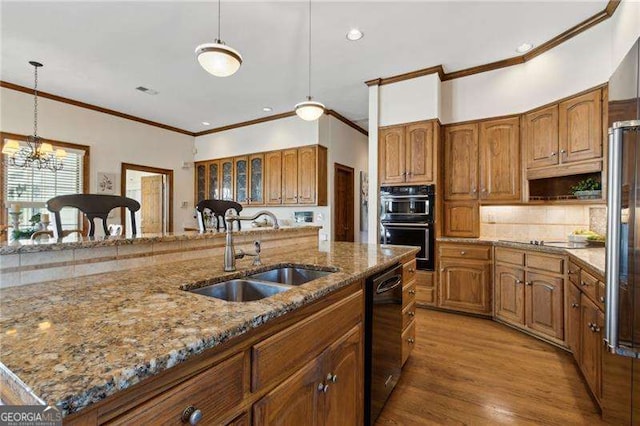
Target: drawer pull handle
411 313
411 340
572 272
332 378
191 415
323 388
412 270
412 292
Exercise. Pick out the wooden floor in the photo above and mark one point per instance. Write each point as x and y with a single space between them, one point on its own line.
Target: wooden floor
467 370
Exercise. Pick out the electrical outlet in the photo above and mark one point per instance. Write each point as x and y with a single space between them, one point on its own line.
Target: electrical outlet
324 237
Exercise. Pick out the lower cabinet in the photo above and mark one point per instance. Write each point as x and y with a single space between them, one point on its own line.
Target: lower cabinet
529 291
425 288
574 321
592 320
410 277
328 390
465 278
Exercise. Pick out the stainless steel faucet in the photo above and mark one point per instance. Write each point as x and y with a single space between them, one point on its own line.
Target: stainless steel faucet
230 254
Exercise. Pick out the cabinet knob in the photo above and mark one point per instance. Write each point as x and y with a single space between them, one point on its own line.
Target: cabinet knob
411 313
582 283
474 190
562 151
411 340
414 292
412 270
191 415
574 305
528 282
332 378
518 281
553 154
602 299
323 388
463 252
484 189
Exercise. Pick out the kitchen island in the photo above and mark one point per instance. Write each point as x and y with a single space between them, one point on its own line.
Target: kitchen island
98 346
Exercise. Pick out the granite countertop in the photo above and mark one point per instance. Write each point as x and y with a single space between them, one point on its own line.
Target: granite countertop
74 342
592 256
74 241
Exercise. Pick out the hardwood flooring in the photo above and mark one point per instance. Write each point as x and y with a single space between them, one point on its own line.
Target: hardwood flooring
466 370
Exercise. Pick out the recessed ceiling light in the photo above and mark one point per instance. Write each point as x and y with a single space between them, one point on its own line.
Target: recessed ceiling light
267 109
355 34
206 123
524 47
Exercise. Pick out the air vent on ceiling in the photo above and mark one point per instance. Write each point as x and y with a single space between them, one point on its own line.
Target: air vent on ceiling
147 90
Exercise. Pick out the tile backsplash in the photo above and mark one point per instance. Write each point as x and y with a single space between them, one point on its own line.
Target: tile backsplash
539 222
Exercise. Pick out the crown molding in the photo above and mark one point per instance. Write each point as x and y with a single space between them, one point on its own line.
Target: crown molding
346 121
85 105
601 16
246 123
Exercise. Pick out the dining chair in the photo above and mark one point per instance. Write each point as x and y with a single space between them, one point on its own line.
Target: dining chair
218 208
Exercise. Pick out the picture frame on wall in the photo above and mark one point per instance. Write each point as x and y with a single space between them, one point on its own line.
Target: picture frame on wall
364 201
106 183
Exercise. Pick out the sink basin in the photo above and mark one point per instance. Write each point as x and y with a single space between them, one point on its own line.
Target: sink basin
290 275
241 290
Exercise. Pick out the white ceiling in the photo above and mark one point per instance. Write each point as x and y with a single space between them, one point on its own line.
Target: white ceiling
98 52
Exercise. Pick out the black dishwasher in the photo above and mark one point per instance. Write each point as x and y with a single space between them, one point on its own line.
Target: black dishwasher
383 339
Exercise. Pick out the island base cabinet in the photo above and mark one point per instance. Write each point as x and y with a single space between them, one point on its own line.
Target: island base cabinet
574 309
328 390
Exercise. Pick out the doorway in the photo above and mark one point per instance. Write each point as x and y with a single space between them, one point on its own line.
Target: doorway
343 202
152 187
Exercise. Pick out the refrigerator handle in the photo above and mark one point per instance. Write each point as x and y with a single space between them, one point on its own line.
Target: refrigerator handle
614 173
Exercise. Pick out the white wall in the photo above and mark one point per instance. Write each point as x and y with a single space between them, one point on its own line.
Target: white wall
113 140
374 123
410 100
345 145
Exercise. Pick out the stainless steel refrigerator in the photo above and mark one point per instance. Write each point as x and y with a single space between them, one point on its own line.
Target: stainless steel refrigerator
621 360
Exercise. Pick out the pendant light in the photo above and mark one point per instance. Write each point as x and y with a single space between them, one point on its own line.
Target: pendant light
217 58
309 110
37 153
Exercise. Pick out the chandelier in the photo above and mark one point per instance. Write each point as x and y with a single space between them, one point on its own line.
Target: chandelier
37 153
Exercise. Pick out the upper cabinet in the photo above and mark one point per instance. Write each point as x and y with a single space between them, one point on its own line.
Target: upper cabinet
500 173
565 138
287 177
408 153
461 162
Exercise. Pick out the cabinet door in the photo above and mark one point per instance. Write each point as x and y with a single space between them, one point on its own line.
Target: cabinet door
213 191
290 176
227 179
541 137
296 401
574 322
273 180
461 162
420 153
462 219
500 173
509 294
580 130
592 322
201 182
241 172
344 399
544 304
465 285
256 179
307 172
391 155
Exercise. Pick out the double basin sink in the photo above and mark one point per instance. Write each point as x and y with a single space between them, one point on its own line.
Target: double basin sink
261 285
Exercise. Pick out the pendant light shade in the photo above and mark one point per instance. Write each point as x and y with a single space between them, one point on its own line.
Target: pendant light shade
218 59
309 110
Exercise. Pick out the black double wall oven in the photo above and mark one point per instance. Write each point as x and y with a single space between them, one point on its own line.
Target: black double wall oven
407 215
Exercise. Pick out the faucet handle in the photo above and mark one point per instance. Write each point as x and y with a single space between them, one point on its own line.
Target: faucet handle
257 246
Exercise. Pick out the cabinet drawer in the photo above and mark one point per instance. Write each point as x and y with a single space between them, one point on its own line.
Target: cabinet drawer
409 293
513 257
408 341
589 285
215 392
466 251
408 272
408 315
545 263
276 357
574 273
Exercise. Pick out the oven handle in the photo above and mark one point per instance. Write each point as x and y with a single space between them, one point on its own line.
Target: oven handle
404 197
405 225
389 284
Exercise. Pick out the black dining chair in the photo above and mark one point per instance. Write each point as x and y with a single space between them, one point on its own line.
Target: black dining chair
218 209
93 206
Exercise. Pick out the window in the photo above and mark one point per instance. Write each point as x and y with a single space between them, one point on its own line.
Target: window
32 187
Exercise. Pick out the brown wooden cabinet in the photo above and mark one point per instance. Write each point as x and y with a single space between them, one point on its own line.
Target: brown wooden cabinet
580 127
461 219
273 177
591 345
465 278
241 179
290 176
499 160
256 179
408 153
409 285
461 162
425 288
574 321
529 291
541 137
